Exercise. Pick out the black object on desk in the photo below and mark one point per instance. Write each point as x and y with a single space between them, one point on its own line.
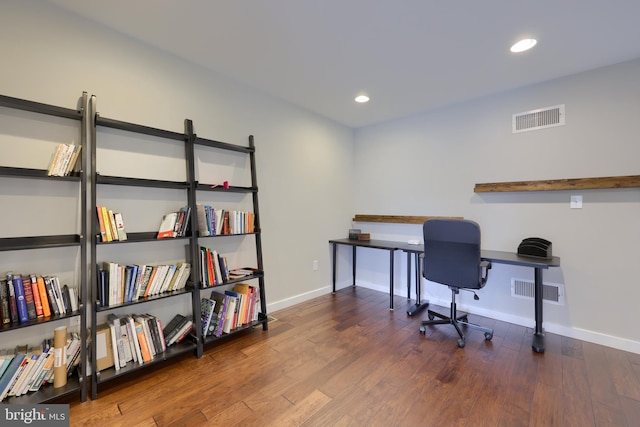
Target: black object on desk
535 247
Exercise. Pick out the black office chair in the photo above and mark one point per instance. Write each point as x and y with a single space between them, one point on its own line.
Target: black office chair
452 258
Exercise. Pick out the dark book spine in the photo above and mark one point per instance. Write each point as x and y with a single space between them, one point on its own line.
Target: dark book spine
52 300
66 299
102 287
4 300
155 336
13 304
23 315
171 330
28 297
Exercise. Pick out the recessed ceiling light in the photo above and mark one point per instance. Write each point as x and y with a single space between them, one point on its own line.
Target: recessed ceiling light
362 98
522 45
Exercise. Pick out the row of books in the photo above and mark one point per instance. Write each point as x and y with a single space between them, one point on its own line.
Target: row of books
118 283
64 159
27 297
111 225
137 338
25 370
214 222
175 224
213 267
225 311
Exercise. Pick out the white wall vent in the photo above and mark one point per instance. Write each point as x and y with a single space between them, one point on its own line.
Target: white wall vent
551 292
538 119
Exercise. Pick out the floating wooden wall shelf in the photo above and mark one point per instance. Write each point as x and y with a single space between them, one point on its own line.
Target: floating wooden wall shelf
398 219
630 181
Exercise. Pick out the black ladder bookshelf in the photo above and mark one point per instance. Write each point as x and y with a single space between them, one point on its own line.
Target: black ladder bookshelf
77 383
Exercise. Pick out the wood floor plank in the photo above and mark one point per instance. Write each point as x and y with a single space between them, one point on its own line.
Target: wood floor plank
345 359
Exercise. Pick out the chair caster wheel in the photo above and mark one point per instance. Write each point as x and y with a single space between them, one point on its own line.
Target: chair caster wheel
464 319
461 343
422 330
431 316
488 336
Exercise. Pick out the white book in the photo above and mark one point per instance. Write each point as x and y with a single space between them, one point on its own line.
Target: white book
122 356
114 346
128 356
179 274
57 293
119 220
62 159
136 346
219 214
158 279
73 298
216 267
167 225
138 282
17 388
171 271
203 229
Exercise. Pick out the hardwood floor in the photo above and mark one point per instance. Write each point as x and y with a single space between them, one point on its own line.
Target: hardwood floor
347 360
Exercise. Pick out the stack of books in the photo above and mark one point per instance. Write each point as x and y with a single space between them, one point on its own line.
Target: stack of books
25 369
25 297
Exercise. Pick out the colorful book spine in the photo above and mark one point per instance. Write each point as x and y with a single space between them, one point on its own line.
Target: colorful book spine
36 296
28 296
21 304
44 300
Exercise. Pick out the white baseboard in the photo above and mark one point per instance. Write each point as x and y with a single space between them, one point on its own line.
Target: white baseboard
297 299
566 331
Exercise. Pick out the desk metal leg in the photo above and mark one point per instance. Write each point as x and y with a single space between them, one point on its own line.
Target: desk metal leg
538 336
409 278
419 305
353 266
334 266
391 279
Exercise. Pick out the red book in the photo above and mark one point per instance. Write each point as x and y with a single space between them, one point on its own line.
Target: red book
28 297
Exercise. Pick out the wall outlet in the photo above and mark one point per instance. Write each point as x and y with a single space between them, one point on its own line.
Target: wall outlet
315 264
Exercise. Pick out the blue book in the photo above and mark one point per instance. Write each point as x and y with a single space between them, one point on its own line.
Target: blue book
7 378
21 303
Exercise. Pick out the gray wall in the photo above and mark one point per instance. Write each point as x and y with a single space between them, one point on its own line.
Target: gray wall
428 164
304 161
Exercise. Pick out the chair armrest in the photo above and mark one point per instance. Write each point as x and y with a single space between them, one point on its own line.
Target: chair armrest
485 266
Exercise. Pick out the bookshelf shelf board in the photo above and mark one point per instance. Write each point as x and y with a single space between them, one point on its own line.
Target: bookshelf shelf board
38 321
261 321
144 299
229 235
231 189
140 182
48 393
223 145
132 127
145 236
36 173
37 107
176 350
629 181
38 242
232 281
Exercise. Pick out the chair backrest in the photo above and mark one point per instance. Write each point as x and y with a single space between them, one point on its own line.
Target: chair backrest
452 253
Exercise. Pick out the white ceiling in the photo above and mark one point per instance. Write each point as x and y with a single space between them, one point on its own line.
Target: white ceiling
407 55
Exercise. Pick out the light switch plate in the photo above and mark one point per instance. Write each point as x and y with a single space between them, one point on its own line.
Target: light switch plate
576 202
